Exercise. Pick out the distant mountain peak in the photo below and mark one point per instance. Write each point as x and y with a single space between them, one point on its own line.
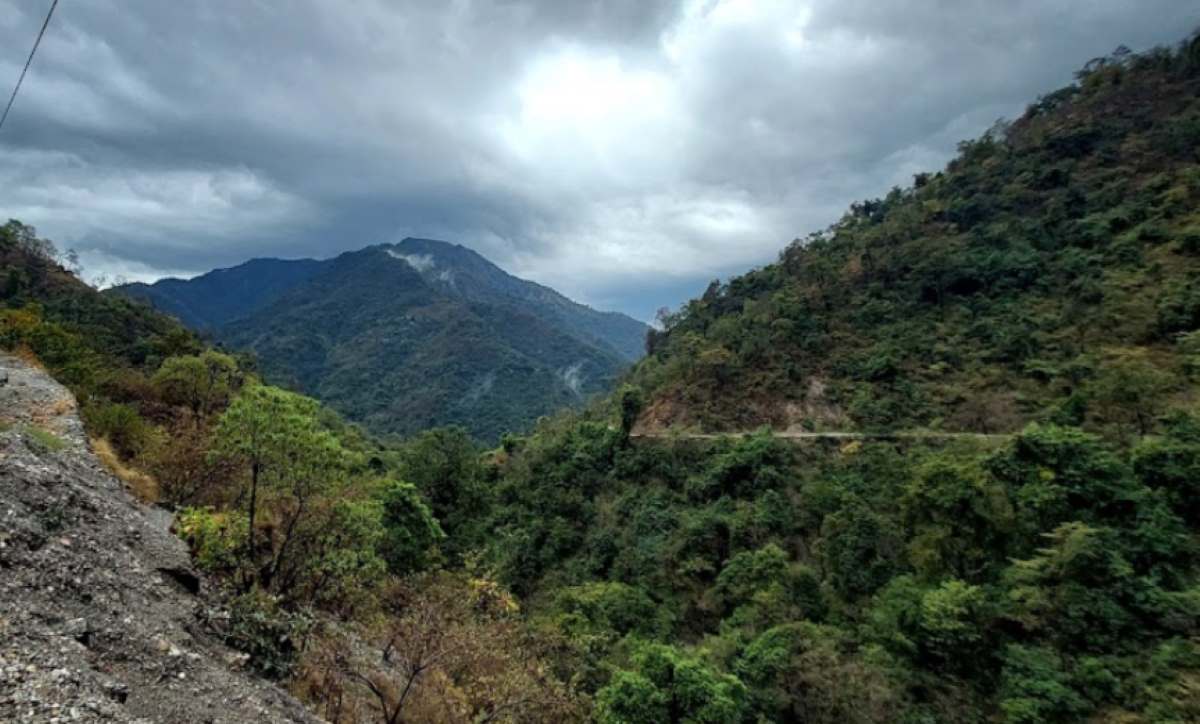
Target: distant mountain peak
394 334
444 251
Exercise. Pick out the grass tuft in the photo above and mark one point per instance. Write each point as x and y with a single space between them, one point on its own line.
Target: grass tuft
43 440
144 486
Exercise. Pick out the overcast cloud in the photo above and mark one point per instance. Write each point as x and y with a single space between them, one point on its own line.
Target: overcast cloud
621 151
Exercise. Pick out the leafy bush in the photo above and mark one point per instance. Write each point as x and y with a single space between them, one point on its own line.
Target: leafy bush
410 531
217 539
120 424
611 606
271 635
666 685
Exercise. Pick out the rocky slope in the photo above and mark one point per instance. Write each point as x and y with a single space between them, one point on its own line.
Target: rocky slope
101 616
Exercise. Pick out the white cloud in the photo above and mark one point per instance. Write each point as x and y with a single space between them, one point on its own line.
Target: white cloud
614 149
63 192
104 270
420 262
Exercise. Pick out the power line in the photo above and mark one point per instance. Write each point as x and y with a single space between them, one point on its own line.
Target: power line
29 60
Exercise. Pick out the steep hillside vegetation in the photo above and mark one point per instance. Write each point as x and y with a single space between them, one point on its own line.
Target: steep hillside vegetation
327 569
87 337
1050 272
409 336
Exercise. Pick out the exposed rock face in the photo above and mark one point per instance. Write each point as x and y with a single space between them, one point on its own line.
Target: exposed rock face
100 611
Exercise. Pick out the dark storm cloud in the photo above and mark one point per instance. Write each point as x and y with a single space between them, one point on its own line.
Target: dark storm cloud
623 151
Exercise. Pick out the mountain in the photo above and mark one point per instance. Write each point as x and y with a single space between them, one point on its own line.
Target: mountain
478 280
1043 288
1050 272
211 300
411 335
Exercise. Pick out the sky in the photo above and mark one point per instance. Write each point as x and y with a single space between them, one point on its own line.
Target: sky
623 152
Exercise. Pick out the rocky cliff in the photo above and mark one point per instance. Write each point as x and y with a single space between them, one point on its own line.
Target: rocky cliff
102 617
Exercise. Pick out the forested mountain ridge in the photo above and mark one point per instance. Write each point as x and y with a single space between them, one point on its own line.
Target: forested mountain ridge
211 300
1050 272
408 336
477 279
1043 286
386 343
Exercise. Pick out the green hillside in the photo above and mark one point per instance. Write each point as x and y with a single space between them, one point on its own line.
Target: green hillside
1050 272
409 336
379 341
1044 284
85 336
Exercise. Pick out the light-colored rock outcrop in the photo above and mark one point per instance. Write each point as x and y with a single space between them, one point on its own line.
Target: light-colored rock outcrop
101 615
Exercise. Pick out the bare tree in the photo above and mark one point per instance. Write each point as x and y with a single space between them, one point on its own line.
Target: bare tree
453 650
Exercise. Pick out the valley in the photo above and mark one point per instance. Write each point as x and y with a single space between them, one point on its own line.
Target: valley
937 462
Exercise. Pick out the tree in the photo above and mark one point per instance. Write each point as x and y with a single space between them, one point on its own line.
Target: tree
954 624
1058 474
1128 389
202 382
608 607
1035 687
185 468
274 435
444 465
26 239
806 672
630 402
856 547
1079 589
750 572
1171 463
410 531
453 648
957 519
946 627
668 685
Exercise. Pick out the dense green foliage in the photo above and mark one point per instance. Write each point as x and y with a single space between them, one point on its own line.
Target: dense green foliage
1040 285
410 336
1054 576
1048 273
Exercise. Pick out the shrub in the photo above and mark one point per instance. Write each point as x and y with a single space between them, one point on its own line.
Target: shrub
271 636
1034 687
668 685
611 606
410 530
217 540
120 424
202 383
